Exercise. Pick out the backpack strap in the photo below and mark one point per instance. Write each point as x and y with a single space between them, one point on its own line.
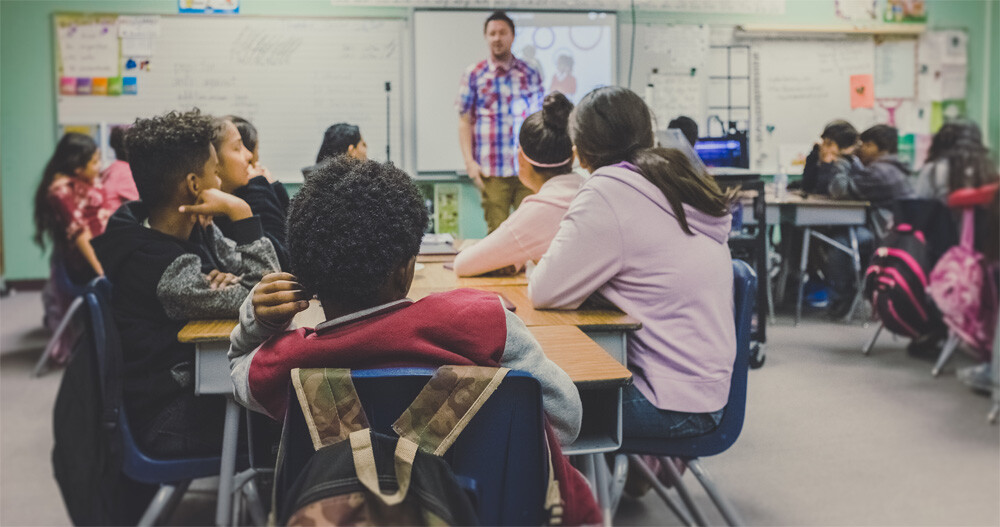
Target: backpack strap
364 465
446 405
330 404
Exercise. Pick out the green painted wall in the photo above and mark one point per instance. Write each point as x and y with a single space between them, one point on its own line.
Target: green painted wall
27 94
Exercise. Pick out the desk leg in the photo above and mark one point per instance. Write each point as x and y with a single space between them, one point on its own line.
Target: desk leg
767 271
803 265
856 261
230 438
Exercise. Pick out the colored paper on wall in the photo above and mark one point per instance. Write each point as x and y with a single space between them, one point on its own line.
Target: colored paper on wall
115 86
130 86
862 91
209 7
944 111
67 86
99 86
88 45
85 129
83 86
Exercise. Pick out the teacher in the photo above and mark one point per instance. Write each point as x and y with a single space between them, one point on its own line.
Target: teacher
494 98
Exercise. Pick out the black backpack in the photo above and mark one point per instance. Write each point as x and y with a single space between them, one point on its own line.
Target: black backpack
896 283
87 455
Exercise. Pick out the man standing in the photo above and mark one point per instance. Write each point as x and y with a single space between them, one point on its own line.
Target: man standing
495 97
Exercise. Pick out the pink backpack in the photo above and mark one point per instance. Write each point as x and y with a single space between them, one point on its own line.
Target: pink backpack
965 291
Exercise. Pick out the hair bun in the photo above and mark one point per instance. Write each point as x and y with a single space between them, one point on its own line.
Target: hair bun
555 111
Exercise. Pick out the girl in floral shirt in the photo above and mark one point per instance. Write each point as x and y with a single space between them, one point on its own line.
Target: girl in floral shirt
70 209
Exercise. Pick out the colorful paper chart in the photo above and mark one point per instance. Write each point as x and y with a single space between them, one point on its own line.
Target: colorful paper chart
83 86
115 86
99 86
130 86
67 86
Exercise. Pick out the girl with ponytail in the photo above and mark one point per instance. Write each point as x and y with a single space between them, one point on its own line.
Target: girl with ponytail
648 232
545 158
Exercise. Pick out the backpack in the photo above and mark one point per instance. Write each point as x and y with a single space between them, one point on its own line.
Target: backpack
965 291
358 476
896 282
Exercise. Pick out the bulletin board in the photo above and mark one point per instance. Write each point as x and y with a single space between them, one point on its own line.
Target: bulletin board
291 77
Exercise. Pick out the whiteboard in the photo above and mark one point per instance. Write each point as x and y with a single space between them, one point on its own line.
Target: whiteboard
448 42
291 77
798 87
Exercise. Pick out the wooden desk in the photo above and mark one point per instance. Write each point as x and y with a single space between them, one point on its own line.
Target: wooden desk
435 277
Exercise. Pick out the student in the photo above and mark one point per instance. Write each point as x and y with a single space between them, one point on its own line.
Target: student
251 140
354 231
878 176
169 264
687 126
545 158
648 233
117 181
340 139
234 171
829 158
956 159
70 210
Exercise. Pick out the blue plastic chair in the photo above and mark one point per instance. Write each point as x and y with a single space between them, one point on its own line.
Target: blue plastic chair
499 458
690 449
173 475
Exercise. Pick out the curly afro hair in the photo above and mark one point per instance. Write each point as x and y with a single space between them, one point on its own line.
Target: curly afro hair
351 225
162 150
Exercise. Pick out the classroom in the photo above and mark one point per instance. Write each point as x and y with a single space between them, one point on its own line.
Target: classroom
671 262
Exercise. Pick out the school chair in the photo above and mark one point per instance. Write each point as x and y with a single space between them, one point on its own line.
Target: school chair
172 475
56 350
500 457
965 199
691 449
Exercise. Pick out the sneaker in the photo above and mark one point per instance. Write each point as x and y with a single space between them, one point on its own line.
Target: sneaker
979 378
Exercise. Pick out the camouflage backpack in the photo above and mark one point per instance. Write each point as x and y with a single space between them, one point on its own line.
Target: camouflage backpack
357 476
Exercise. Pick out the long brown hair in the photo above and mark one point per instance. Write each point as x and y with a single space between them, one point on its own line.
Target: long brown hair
613 124
72 152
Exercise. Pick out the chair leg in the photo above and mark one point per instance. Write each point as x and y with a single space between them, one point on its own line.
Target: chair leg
994 413
254 505
871 343
728 512
675 477
602 483
856 262
42 366
803 266
660 489
163 502
619 474
946 352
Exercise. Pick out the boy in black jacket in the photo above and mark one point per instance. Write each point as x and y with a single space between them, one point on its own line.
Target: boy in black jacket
169 264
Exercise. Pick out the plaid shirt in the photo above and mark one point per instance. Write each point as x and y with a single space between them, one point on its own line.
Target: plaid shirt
499 98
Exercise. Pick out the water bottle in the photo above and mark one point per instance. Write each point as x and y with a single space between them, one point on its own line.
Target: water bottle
780 184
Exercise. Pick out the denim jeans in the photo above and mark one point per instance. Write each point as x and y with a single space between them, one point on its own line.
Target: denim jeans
188 426
640 419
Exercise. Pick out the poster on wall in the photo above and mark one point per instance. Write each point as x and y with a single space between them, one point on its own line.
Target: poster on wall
209 7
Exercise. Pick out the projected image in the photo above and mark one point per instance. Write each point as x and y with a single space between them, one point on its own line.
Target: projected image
571 59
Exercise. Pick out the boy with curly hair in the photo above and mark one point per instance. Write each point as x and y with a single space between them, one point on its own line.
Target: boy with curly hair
169 264
354 230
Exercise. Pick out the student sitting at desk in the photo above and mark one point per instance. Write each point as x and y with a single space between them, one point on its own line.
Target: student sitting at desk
878 176
649 233
169 264
829 158
339 139
545 158
117 181
251 140
354 231
257 192
956 159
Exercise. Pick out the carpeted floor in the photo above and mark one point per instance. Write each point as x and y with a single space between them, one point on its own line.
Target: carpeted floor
831 437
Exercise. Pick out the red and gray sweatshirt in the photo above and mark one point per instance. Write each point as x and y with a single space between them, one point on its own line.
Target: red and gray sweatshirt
464 327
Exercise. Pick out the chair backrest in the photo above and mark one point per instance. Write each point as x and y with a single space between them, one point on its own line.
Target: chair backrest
107 345
720 439
499 457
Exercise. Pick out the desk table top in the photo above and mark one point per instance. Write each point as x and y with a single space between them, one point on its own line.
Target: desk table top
579 356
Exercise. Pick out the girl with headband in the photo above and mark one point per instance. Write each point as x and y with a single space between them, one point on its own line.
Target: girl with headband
545 159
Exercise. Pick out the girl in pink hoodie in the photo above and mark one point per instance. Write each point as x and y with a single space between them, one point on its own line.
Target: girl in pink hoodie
648 232
545 159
